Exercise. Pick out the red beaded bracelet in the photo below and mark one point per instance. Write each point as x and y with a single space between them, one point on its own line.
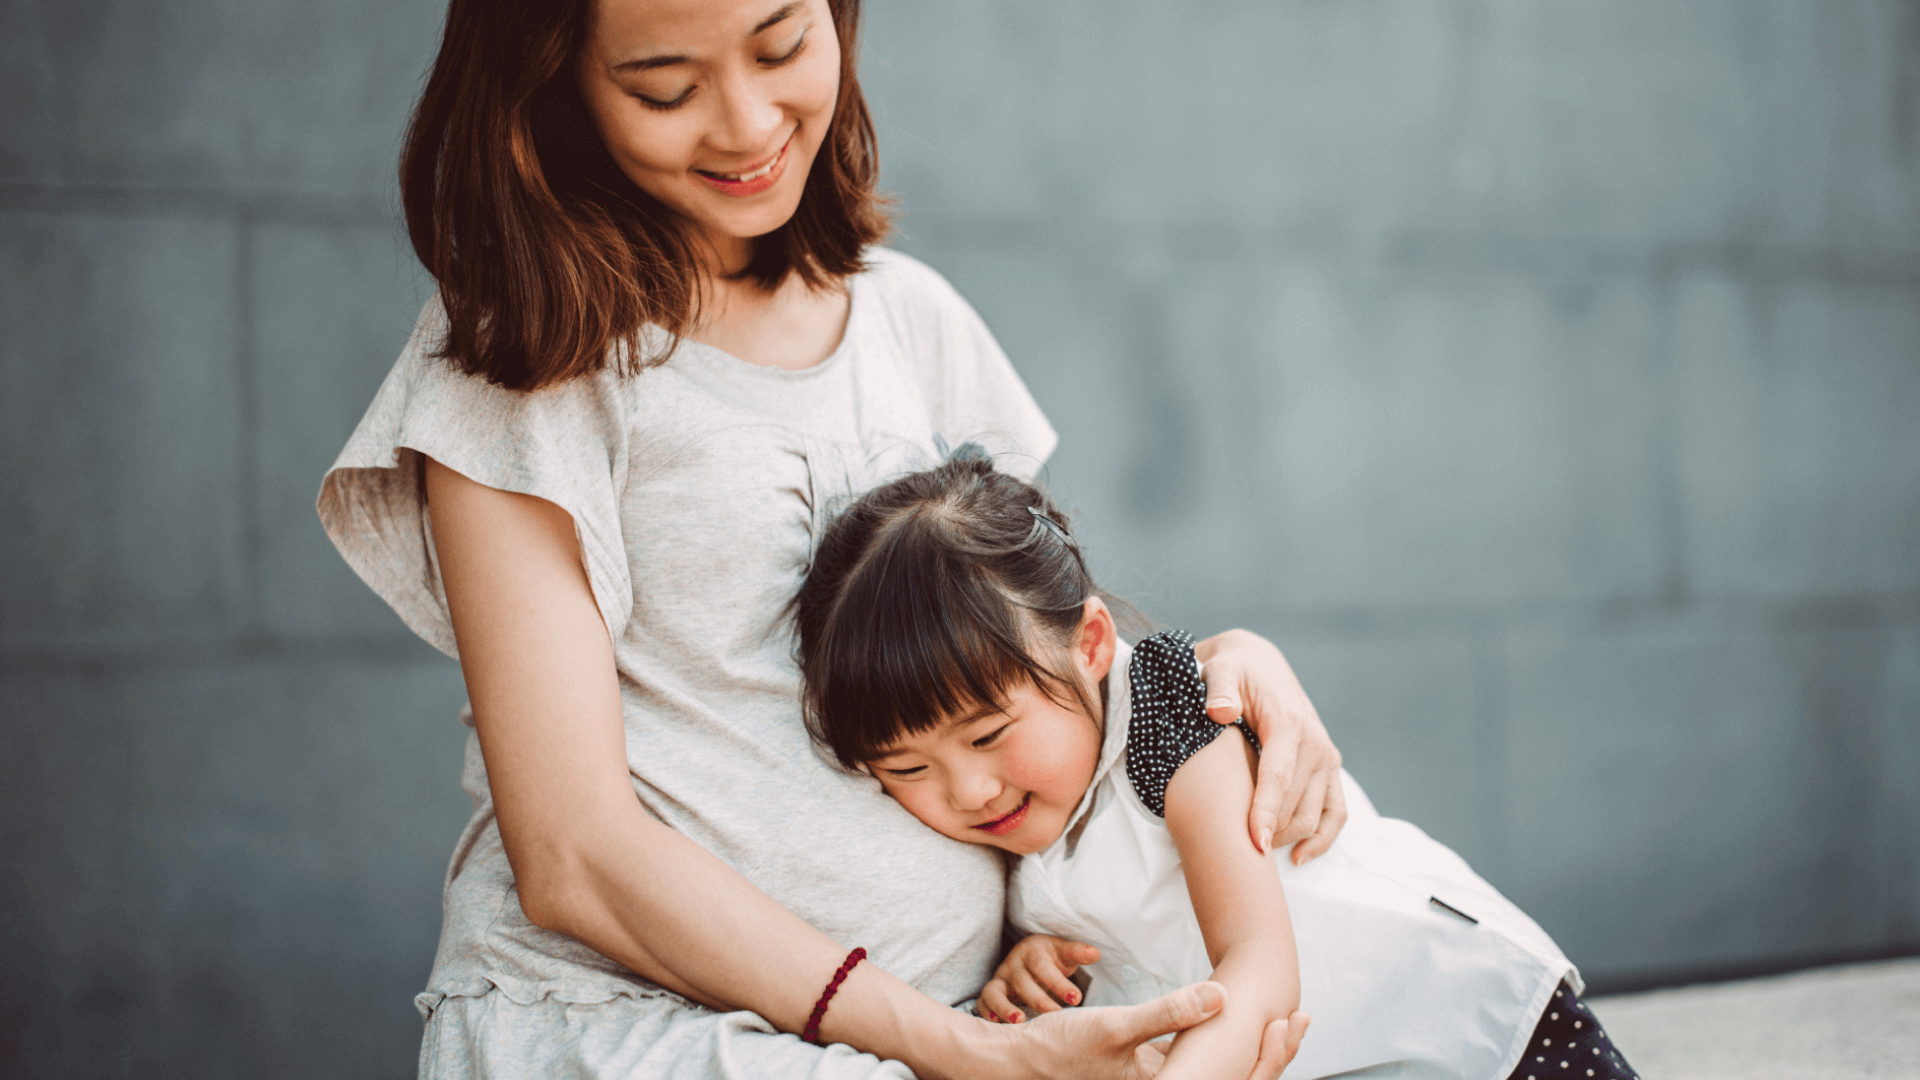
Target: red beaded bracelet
812 1033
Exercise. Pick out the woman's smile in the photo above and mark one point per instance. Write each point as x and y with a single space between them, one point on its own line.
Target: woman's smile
1006 823
751 181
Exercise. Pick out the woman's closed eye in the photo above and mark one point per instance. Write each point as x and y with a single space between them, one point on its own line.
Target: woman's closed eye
667 104
790 55
664 106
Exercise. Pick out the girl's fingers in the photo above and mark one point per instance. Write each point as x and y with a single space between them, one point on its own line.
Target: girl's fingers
1028 989
1047 972
1073 955
994 1004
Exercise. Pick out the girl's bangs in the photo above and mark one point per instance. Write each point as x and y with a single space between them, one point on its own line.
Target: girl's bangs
912 649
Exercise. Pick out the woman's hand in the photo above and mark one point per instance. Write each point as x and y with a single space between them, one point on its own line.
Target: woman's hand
1120 1041
1278 1045
1037 977
1297 796
1113 1041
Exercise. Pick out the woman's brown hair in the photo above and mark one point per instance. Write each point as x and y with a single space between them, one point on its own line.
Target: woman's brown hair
550 262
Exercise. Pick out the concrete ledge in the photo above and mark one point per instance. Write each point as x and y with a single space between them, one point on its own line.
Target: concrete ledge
1841 1023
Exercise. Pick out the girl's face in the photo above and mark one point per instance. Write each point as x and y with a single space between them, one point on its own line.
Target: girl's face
715 107
1007 775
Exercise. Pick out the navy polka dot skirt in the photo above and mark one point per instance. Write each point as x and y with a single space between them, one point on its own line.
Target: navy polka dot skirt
1569 1045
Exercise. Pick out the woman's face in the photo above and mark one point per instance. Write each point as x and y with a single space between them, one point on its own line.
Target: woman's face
714 107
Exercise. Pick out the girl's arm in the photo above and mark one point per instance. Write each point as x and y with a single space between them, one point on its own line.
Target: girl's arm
1242 911
1298 797
591 863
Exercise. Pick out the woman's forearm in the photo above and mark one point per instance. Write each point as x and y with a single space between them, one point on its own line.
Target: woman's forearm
661 905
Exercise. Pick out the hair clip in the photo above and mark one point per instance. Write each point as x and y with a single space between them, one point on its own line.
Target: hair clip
1059 530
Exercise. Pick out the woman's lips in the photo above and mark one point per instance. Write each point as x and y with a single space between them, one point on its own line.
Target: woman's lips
751 182
1004 825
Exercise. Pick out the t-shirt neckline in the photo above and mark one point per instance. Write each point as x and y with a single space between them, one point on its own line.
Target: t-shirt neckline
722 361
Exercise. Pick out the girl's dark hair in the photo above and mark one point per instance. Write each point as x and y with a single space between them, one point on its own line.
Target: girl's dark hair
549 259
938 592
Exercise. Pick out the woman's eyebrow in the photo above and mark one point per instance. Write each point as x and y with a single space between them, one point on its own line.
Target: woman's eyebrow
649 63
778 16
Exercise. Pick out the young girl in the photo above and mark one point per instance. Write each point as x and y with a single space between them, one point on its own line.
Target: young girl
954 646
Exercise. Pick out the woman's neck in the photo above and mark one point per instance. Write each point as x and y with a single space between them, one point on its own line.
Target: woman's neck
790 326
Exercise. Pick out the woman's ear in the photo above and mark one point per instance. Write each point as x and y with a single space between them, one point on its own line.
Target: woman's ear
1095 642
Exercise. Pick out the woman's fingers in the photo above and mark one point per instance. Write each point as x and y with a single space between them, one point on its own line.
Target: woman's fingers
1306 814
1112 1043
1278 1044
1247 678
1332 820
1169 1013
1276 791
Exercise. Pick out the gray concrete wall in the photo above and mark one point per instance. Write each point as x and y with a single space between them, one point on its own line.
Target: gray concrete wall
1544 377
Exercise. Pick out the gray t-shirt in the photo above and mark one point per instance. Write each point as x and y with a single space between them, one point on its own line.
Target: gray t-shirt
697 489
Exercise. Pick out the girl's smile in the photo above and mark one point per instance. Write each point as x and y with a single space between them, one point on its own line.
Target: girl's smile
1011 774
1001 826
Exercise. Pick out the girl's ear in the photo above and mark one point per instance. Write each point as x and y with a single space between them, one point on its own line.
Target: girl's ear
1095 642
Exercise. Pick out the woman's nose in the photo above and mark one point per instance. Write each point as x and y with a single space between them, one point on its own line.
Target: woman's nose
749 117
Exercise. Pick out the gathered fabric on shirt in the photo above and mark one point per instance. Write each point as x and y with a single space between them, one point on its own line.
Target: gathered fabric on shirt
1398 986
697 488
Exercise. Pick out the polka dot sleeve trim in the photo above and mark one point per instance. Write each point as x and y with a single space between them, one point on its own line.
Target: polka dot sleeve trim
1169 722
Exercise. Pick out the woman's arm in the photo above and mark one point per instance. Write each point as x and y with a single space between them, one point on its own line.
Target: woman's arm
1242 911
1298 797
591 863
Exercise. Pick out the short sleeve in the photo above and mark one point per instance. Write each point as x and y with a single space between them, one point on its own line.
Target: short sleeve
1169 723
974 393
565 444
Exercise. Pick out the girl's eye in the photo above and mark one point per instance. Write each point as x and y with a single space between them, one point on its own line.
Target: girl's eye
791 55
664 106
987 740
905 774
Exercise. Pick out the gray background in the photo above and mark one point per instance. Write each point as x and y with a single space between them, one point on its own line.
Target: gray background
1544 377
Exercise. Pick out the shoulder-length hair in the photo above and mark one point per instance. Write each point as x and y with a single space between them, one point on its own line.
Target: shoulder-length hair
551 263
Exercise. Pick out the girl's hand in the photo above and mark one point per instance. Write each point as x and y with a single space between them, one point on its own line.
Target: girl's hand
1297 796
1035 978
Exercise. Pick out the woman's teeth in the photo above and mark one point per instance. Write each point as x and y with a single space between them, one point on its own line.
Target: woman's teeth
741 178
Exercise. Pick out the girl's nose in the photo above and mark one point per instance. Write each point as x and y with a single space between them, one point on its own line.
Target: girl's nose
975 790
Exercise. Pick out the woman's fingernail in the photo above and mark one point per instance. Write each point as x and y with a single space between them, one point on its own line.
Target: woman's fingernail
1073 999
1015 1018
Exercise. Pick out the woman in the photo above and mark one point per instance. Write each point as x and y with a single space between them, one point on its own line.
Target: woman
664 343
